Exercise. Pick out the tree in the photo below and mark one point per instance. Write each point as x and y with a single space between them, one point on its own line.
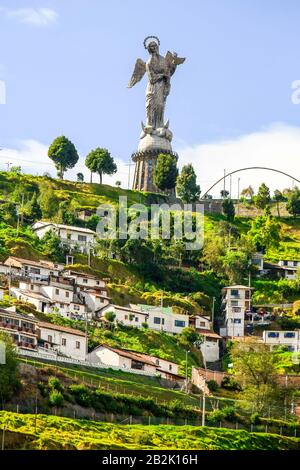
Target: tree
187 188
188 337
9 374
255 368
265 233
248 192
293 203
64 155
47 201
80 177
32 209
165 172
224 193
17 170
235 266
100 161
263 198
228 209
52 247
110 316
118 183
278 197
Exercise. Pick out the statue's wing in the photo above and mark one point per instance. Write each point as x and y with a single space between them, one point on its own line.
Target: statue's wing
138 73
173 59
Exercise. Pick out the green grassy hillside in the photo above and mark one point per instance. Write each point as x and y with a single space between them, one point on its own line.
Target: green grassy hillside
51 432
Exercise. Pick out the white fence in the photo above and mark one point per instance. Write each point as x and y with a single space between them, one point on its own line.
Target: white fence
68 360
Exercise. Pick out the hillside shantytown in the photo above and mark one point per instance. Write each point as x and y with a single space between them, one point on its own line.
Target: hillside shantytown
114 339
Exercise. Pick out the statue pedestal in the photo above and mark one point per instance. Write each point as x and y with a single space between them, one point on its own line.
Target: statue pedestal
152 143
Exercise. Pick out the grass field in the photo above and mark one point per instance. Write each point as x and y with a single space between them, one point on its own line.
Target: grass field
51 432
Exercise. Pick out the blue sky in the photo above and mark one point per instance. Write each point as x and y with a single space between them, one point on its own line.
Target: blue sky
66 64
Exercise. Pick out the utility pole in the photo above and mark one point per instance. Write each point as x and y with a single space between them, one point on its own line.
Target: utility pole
213 312
186 370
8 165
204 397
230 185
224 185
238 205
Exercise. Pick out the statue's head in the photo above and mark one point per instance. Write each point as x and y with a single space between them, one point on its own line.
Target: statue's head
151 43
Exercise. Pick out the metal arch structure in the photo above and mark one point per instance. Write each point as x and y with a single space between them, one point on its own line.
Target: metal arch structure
249 168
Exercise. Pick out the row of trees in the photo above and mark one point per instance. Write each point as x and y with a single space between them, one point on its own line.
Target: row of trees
65 156
263 198
166 178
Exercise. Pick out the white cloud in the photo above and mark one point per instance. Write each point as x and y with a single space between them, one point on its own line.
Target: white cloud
33 16
277 146
32 156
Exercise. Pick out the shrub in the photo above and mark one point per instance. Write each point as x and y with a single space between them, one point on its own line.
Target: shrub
215 416
82 394
212 385
56 398
254 418
229 413
54 384
230 384
145 325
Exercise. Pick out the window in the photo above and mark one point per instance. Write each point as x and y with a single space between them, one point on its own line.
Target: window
237 320
126 317
157 362
67 294
285 263
84 281
202 323
236 309
68 236
289 334
76 307
234 303
82 238
137 365
49 339
273 334
136 318
170 366
234 292
179 323
97 283
57 291
35 271
156 320
77 344
64 342
61 306
31 286
295 263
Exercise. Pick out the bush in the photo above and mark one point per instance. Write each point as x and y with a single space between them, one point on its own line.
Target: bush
212 385
107 334
56 398
145 325
54 384
229 413
215 416
82 394
230 384
254 418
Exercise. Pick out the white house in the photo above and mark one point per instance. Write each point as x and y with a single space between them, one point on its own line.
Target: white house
210 348
124 315
274 339
63 340
236 301
22 328
163 318
132 360
85 280
74 237
123 359
51 296
33 269
199 322
290 268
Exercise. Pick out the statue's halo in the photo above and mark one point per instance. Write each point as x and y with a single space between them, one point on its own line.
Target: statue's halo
149 39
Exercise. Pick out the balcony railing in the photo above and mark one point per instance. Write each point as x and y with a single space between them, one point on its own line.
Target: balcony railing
18 328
